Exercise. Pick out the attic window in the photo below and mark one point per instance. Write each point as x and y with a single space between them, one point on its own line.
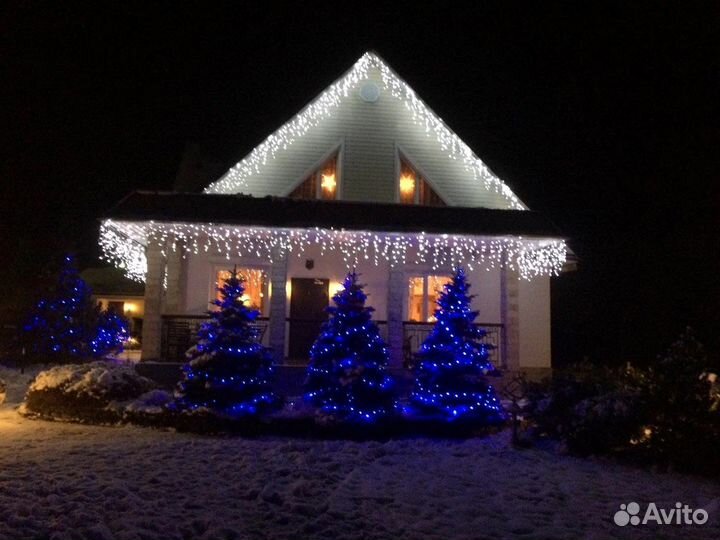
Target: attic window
414 189
320 184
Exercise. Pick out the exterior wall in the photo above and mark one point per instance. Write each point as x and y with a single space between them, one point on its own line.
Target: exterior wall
527 326
534 304
200 275
370 134
200 271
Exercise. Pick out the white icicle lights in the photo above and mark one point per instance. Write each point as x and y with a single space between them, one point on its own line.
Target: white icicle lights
123 243
235 179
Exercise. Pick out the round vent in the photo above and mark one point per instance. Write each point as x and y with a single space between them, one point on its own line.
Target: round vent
369 92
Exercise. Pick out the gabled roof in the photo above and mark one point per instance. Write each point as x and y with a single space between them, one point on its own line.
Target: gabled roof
300 213
323 106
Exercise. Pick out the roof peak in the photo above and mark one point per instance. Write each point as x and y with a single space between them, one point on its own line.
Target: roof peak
330 98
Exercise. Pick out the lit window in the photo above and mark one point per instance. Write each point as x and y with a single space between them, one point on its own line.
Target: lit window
254 281
321 184
414 189
422 297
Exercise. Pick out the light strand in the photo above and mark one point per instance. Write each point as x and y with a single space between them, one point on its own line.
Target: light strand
123 243
324 106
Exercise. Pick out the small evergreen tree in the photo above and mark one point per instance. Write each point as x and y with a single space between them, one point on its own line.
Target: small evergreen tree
346 377
453 361
111 331
64 322
229 370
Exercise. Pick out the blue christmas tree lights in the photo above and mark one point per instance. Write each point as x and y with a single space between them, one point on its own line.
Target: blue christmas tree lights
68 323
229 371
347 375
453 361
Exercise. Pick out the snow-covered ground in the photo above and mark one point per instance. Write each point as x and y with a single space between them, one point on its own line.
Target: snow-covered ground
60 480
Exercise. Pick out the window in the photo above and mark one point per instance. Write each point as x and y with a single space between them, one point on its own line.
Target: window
116 306
255 285
422 296
414 189
321 184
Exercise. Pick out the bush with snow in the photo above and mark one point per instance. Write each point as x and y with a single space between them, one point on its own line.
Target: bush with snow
666 414
89 392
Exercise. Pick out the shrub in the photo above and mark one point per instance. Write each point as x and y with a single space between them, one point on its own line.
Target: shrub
87 392
667 414
585 407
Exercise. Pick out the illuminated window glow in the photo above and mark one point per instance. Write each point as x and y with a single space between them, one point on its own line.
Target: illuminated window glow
422 295
321 184
255 285
414 189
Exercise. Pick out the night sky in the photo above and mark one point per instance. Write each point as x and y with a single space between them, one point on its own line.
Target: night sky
605 119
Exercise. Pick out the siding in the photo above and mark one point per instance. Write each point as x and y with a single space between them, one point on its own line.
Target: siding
534 300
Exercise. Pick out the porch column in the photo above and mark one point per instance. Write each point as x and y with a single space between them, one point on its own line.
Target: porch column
510 318
396 291
278 302
175 294
152 322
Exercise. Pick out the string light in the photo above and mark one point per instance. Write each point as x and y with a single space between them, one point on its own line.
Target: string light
123 243
347 372
324 106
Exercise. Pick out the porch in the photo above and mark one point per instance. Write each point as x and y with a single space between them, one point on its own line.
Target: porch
296 253
178 333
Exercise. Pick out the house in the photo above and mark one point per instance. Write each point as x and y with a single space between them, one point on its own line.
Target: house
366 176
113 290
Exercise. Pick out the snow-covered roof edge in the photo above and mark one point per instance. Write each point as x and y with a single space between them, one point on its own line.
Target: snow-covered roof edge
312 114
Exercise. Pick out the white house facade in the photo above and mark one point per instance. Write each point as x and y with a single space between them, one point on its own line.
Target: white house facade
365 177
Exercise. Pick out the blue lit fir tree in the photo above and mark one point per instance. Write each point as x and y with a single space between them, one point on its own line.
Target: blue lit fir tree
453 361
111 331
229 370
347 375
66 323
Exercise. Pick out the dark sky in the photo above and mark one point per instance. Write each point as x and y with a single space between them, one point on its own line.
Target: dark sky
604 118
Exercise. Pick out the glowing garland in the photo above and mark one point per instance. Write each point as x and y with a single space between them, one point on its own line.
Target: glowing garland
236 178
123 244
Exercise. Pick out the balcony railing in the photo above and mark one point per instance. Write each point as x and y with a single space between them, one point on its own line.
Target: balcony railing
179 333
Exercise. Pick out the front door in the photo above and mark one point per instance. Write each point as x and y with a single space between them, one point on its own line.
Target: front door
308 300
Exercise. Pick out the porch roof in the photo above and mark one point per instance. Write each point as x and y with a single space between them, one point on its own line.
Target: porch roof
350 215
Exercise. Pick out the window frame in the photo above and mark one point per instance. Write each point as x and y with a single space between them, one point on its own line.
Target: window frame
425 275
338 149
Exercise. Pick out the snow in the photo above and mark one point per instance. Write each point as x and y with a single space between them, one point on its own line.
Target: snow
62 480
97 379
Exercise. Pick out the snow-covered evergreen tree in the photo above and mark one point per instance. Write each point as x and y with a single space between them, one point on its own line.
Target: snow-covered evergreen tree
453 361
229 370
347 374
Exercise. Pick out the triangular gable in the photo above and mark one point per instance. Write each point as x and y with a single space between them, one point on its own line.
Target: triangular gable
236 179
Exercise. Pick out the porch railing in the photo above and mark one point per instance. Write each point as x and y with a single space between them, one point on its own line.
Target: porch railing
414 333
179 333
